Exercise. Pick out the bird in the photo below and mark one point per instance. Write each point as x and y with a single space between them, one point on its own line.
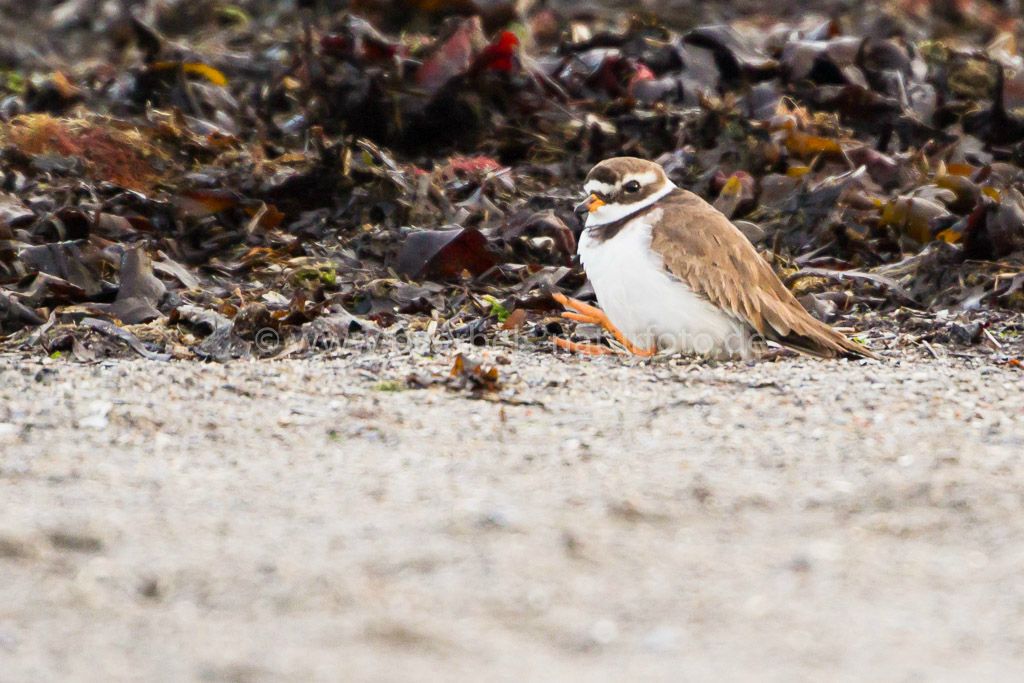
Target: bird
672 274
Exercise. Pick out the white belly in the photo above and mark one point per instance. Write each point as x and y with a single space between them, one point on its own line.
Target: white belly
649 305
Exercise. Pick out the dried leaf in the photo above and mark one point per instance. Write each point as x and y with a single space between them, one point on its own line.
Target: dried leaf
193 69
914 215
110 329
453 57
805 145
444 254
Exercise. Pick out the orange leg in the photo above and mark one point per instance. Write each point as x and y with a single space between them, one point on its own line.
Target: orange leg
583 312
586 349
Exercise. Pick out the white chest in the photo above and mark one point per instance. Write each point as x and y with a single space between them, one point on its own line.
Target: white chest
649 305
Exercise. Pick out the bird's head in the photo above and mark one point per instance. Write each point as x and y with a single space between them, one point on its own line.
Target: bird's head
619 187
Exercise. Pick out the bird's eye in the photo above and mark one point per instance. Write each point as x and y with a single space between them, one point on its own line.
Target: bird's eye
631 186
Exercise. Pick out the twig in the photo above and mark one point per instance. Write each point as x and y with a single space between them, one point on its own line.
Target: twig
991 338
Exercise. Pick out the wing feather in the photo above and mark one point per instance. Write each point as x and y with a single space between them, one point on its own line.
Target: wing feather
703 249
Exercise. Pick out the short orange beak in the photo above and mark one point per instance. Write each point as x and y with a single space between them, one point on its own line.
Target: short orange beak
588 205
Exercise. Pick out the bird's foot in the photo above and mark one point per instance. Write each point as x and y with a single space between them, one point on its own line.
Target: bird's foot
583 312
585 349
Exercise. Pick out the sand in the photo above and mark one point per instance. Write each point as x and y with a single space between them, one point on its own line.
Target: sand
312 520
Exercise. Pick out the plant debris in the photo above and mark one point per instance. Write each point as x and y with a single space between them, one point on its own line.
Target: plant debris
279 178
466 374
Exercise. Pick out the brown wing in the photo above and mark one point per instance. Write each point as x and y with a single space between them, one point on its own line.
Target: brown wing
703 249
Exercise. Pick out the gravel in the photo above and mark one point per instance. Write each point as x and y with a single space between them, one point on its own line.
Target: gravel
314 520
